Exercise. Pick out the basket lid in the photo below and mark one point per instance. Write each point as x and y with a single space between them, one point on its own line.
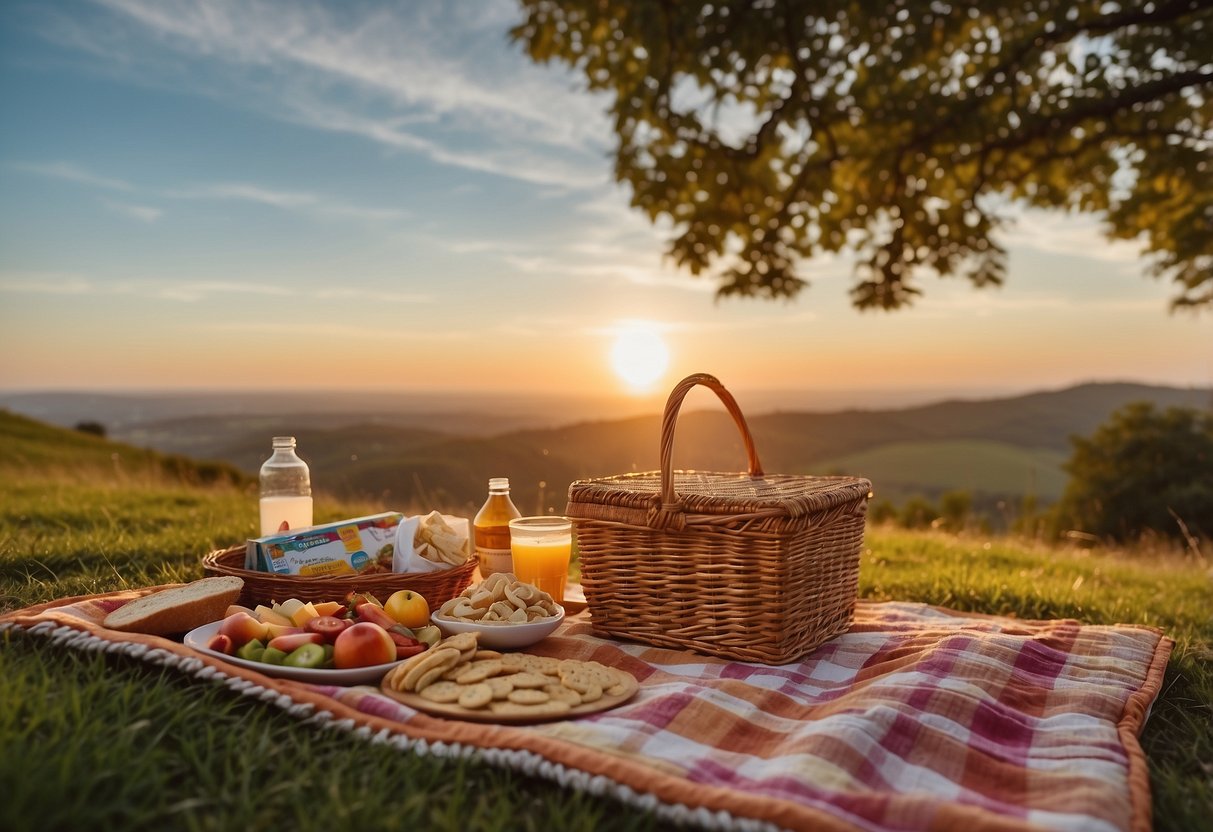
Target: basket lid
716 493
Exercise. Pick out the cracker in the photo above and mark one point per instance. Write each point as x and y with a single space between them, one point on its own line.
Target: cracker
501 686
529 696
439 658
460 641
476 696
486 654
529 680
429 677
562 694
442 692
475 672
545 709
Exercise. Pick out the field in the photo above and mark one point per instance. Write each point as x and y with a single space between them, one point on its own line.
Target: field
99 742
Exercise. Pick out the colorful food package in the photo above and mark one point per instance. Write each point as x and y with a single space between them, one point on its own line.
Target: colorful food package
363 545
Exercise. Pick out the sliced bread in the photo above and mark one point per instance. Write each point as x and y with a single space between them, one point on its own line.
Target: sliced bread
178 609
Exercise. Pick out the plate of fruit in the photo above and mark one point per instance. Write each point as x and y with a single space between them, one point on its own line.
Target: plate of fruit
350 642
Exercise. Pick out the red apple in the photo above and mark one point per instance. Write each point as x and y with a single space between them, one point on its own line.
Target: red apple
290 643
362 645
242 628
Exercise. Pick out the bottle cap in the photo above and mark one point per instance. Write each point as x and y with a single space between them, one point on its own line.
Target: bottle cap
284 441
499 483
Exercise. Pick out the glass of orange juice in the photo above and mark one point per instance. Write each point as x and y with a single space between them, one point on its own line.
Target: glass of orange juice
540 548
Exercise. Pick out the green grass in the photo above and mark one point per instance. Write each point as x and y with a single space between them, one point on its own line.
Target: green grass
108 742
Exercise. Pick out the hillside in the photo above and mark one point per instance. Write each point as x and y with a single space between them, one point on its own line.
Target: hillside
29 446
1000 449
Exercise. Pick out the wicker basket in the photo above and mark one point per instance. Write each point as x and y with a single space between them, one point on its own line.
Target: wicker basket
745 566
264 587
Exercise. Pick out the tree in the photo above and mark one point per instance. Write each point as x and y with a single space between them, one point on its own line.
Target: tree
772 131
95 428
1143 471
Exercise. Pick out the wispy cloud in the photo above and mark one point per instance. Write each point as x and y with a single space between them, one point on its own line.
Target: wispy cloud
193 291
426 77
298 201
143 213
287 200
72 173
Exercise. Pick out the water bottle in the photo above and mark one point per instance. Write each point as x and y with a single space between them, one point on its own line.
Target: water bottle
286 489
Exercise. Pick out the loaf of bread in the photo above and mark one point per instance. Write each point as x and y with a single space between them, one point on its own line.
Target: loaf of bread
178 609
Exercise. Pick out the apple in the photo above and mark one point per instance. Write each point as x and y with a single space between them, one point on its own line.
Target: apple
408 608
328 626
242 628
405 645
362 645
375 615
221 644
288 644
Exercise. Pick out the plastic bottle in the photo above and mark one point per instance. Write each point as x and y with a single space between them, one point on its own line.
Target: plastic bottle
286 489
491 528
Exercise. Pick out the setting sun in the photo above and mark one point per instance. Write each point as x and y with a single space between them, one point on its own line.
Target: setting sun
639 356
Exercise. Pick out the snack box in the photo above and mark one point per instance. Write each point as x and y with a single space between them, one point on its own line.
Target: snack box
358 546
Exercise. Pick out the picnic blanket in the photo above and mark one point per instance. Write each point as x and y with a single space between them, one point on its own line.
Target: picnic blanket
918 718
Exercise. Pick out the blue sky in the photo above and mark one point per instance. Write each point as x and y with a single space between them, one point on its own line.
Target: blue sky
391 196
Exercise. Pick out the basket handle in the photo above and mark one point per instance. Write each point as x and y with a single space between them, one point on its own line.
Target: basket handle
669 419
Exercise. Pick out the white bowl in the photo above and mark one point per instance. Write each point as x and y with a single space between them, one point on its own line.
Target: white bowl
501 636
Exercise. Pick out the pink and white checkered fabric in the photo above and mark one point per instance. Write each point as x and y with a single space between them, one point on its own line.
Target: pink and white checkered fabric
916 719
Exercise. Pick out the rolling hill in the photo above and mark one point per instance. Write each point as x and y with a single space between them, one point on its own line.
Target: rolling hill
998 449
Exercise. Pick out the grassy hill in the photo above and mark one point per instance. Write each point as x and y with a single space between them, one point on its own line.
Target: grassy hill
1000 448
99 741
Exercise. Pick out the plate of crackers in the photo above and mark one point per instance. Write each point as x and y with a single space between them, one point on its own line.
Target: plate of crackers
459 679
505 612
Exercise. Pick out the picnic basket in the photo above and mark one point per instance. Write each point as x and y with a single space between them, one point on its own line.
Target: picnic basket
264 587
751 566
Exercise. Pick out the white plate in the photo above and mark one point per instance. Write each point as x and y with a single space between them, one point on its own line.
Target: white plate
200 637
501 636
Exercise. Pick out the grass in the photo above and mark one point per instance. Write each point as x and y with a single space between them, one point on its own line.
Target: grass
93 740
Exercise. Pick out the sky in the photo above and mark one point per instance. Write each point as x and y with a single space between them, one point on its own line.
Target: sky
391 196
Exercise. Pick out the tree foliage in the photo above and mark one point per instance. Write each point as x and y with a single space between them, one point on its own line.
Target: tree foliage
772 131
1143 471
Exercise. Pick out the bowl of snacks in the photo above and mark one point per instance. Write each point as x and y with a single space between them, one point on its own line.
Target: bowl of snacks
505 612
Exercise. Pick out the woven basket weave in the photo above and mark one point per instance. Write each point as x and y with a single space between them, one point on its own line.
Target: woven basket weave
264 587
749 566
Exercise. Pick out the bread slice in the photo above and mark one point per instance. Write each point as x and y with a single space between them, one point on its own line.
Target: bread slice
178 609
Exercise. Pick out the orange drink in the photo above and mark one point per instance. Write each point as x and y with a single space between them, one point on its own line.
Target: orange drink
540 547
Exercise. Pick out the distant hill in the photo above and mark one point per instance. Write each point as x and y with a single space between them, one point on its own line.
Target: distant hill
999 449
28 446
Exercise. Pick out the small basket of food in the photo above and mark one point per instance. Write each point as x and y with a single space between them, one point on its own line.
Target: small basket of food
379 554
749 566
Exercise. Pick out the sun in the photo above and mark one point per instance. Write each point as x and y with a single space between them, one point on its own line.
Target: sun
639 356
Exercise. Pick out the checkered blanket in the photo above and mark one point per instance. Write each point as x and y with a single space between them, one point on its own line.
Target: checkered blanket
917 719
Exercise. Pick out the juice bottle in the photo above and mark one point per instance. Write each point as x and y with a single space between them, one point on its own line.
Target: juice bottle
491 528
286 489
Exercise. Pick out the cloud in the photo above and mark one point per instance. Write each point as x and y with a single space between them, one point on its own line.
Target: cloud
426 77
1073 236
298 201
143 213
72 173
193 291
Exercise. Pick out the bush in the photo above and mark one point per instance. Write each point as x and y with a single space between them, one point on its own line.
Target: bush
1142 472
